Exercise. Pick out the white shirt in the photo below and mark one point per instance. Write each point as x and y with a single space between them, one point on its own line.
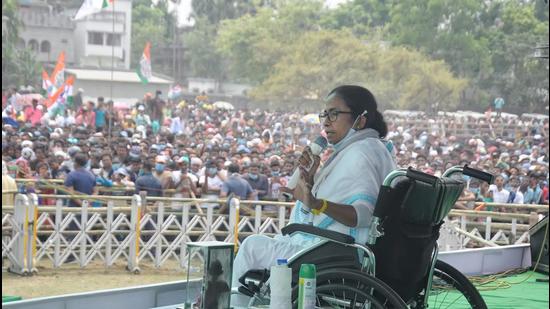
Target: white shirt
213 183
499 196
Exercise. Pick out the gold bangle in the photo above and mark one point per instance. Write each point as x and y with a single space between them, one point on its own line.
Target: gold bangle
322 210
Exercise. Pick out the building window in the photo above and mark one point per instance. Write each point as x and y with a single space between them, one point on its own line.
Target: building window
95 38
20 43
45 47
113 39
33 45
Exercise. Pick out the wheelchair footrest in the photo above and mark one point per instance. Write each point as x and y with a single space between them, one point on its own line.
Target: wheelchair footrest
245 291
253 281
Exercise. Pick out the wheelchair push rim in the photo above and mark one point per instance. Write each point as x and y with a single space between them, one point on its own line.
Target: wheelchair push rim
346 288
451 289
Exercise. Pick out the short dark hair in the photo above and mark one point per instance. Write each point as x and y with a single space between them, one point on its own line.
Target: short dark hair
234 168
360 99
147 165
80 159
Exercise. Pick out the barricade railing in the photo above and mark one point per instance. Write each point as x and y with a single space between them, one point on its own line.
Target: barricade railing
155 230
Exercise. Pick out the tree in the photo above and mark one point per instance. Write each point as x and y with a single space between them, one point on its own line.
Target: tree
254 44
205 59
19 67
519 78
147 26
399 77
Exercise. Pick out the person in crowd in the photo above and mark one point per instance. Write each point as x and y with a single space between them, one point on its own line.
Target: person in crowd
259 182
342 194
100 115
147 182
80 180
86 116
237 185
534 190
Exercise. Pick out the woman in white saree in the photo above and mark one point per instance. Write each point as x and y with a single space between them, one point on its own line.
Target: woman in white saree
341 195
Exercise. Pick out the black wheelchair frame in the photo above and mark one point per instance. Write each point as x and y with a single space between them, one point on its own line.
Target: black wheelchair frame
340 272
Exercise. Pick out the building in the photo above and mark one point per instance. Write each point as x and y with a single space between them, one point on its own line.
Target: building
210 86
46 31
101 36
88 43
125 86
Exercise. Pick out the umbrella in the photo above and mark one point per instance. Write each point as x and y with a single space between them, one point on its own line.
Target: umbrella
311 118
223 105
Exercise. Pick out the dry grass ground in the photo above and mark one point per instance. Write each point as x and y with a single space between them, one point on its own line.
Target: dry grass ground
73 279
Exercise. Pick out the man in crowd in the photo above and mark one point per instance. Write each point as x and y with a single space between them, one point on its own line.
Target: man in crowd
235 184
257 181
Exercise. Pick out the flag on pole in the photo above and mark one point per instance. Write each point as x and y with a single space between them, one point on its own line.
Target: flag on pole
46 84
144 71
61 95
58 75
69 91
90 7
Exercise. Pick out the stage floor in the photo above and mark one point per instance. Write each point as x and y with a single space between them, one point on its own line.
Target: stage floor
518 291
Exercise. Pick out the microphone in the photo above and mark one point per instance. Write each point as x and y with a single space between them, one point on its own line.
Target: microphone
318 145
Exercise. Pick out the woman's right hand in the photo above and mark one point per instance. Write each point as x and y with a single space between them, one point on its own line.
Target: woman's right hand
308 165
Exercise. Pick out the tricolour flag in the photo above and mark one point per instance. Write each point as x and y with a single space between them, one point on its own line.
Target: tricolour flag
144 71
61 95
58 75
90 7
46 84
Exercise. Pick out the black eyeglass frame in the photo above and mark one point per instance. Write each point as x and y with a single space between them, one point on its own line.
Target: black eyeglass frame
332 114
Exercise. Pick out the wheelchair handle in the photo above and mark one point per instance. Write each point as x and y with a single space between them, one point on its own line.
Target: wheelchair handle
468 171
481 175
416 175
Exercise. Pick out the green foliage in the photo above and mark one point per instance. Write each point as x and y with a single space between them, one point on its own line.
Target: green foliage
206 60
19 67
148 25
400 78
254 44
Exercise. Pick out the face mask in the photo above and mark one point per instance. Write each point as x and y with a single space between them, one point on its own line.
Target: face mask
475 190
351 130
159 167
275 173
212 171
253 176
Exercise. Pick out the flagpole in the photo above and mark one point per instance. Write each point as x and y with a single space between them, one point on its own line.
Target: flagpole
112 71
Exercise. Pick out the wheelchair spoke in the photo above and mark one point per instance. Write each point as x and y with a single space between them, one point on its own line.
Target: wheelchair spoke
450 289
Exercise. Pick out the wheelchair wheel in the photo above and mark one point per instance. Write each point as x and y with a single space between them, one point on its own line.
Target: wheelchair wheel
450 288
345 288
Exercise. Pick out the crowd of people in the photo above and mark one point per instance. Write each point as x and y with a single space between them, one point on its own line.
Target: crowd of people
191 149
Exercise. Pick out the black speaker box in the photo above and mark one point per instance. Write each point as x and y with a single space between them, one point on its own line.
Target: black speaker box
539 241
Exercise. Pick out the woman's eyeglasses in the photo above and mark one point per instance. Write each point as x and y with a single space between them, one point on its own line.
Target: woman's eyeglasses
332 114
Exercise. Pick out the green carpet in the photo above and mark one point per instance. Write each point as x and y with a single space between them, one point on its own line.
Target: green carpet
516 292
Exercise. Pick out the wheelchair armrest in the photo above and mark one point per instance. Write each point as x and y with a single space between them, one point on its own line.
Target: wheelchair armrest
310 229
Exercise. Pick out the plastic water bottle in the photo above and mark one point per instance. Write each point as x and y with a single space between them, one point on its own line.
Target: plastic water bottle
280 285
306 287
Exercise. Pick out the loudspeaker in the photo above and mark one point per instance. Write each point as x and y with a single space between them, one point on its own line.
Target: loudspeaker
539 241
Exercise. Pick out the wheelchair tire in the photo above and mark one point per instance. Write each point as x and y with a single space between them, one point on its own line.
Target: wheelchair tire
346 288
451 288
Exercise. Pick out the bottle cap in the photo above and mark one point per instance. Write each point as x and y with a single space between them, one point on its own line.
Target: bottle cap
282 261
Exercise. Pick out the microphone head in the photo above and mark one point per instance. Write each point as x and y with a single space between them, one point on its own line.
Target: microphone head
321 141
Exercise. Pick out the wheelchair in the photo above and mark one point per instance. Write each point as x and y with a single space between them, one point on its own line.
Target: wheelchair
398 266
